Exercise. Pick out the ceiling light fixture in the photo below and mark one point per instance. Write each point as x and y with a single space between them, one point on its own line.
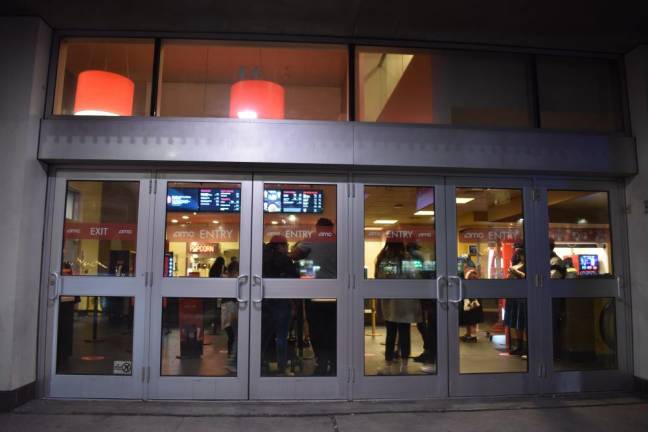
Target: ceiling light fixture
464 200
252 99
385 221
424 213
101 93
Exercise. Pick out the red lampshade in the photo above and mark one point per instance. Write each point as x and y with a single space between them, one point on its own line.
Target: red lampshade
103 93
252 99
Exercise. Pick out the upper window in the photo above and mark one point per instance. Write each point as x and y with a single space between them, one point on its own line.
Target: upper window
203 222
105 77
253 80
490 234
475 89
580 240
399 232
100 229
579 94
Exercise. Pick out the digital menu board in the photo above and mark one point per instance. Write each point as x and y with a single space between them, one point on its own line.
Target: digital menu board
179 199
293 201
219 200
272 201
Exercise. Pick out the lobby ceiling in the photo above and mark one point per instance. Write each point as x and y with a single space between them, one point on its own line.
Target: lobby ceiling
607 26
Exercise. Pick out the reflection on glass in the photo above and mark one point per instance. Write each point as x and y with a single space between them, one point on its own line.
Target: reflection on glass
399 232
104 77
199 337
579 93
493 335
579 234
490 233
95 335
400 337
584 333
299 231
235 79
202 230
416 86
299 337
100 228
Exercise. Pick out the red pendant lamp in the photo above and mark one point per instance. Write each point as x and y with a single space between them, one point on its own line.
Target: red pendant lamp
102 93
251 99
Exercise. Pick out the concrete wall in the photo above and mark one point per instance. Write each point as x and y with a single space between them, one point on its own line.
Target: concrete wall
637 198
24 50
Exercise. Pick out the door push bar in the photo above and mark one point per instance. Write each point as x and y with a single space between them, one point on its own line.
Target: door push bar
460 297
53 286
258 280
241 280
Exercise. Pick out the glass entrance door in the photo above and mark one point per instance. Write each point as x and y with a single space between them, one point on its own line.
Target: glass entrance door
493 327
399 288
198 286
200 280
443 288
582 272
300 281
97 296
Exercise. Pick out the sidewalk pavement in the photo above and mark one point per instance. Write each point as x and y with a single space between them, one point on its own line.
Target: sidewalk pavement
578 413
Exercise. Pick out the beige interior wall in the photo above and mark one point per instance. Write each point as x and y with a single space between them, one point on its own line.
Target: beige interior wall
379 80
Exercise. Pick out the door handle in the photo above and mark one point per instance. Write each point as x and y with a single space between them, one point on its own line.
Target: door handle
460 297
53 281
258 280
618 281
438 289
242 279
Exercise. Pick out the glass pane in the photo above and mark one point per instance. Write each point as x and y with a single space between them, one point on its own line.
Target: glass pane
202 230
490 234
584 333
299 231
579 234
253 80
100 228
199 336
400 337
579 93
104 77
493 335
95 335
299 337
400 239
436 87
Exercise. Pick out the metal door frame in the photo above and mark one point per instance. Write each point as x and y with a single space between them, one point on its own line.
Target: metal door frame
97 386
504 383
299 387
616 287
199 387
411 386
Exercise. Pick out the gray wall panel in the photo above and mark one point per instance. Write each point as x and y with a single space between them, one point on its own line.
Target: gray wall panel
215 140
335 144
494 150
637 199
24 51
